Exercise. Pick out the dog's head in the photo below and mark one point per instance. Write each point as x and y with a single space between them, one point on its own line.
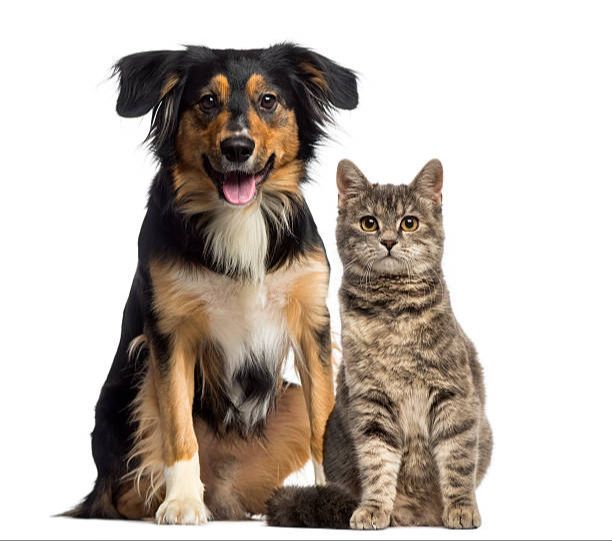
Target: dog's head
233 123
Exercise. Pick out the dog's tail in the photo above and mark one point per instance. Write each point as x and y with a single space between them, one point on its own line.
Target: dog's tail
311 507
98 504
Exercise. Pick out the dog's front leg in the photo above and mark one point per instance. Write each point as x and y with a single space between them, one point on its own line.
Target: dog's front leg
316 376
173 369
311 334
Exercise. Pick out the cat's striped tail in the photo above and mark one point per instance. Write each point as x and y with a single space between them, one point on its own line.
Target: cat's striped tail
327 506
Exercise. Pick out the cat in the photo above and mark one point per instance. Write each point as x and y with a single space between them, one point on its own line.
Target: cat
408 441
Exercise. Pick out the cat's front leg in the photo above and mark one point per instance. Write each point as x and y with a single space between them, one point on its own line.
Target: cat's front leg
455 445
378 444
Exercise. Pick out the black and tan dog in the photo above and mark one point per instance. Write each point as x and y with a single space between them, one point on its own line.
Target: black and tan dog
231 274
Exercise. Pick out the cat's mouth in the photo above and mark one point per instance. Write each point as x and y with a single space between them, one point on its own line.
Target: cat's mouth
389 264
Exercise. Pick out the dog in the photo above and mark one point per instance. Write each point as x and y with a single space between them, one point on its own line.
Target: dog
232 275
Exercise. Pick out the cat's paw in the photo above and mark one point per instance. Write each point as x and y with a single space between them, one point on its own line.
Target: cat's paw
183 511
368 517
461 517
403 517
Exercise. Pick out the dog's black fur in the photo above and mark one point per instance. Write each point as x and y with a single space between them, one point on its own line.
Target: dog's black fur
166 232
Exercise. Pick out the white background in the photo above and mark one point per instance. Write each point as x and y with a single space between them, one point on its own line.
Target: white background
515 98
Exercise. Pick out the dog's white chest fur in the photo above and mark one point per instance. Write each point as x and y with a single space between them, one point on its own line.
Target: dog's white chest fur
238 240
246 319
247 324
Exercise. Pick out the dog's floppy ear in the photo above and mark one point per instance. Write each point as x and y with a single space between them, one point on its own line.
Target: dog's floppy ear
145 78
154 81
319 85
323 83
326 81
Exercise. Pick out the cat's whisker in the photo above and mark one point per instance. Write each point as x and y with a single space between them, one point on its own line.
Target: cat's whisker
405 259
364 275
369 268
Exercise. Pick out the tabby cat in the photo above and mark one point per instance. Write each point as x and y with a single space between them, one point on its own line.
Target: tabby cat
408 440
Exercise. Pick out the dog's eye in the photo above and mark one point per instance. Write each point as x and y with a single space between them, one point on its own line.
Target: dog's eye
208 102
369 224
268 102
409 224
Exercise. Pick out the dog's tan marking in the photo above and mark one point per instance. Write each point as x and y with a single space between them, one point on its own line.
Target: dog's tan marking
179 309
285 180
315 75
278 136
221 87
198 135
307 315
278 133
175 389
195 192
255 86
170 83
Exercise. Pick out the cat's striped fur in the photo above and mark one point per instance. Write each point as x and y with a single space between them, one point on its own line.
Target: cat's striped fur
408 440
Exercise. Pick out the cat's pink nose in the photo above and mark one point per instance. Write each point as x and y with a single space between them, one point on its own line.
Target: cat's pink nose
388 243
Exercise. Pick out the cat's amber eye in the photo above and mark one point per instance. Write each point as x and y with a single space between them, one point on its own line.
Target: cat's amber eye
369 224
409 224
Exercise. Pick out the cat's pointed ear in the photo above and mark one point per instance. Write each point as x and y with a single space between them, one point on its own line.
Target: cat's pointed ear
428 182
350 180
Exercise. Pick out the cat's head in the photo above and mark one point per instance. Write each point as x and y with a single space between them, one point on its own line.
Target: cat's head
388 230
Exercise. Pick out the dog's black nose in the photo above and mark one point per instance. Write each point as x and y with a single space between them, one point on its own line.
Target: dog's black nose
237 149
388 244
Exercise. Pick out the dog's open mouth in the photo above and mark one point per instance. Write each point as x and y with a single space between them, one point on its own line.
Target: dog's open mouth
239 187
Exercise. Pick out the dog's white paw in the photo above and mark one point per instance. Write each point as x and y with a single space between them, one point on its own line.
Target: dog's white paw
184 503
183 511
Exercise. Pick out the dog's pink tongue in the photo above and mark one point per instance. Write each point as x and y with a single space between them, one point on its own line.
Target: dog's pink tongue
239 189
